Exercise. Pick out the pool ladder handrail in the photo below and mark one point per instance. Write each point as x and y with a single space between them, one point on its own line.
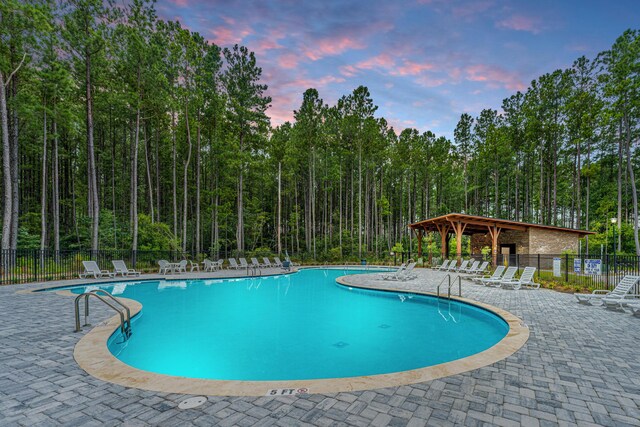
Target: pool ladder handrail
449 284
253 270
122 309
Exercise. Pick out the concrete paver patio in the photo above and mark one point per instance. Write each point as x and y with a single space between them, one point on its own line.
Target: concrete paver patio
581 366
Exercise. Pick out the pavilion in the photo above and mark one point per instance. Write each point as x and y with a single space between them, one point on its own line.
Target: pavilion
508 237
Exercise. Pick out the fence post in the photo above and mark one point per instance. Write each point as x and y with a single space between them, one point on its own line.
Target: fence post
607 270
35 265
538 266
566 268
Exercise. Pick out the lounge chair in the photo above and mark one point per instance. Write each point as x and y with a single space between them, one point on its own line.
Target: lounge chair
469 268
444 265
266 263
635 307
508 275
165 266
621 291
497 274
526 279
255 263
91 269
404 274
119 267
243 262
233 264
276 262
291 263
453 266
481 269
394 274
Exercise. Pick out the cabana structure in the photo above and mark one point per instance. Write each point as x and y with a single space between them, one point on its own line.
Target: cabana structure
501 235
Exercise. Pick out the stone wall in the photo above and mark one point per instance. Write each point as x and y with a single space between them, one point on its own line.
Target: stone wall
542 241
520 238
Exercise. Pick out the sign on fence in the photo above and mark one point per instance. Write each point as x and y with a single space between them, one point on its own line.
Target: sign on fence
557 263
593 266
577 265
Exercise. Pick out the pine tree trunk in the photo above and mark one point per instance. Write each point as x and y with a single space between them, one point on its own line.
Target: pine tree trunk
134 184
6 169
93 181
279 214
185 179
240 227
174 181
15 196
55 191
634 190
43 195
149 180
197 236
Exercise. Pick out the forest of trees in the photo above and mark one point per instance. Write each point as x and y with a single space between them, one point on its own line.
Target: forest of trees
120 130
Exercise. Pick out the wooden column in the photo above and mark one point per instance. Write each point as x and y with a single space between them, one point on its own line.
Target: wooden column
459 228
443 229
494 231
419 243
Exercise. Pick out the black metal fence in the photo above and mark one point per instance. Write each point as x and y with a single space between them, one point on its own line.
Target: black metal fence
584 272
579 271
34 265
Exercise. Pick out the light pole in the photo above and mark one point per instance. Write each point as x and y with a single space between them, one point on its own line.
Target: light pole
614 223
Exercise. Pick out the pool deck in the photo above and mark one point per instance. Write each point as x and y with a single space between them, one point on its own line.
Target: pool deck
580 366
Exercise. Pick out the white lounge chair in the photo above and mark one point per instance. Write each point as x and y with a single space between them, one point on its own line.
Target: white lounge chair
463 266
233 264
443 264
526 279
256 263
508 275
119 267
621 290
243 263
471 268
91 269
394 274
405 274
453 266
266 263
291 263
635 307
165 266
497 274
276 262
481 269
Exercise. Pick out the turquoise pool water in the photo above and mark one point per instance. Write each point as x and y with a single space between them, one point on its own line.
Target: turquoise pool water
292 327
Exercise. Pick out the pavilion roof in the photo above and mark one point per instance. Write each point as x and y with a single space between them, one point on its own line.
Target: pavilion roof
474 224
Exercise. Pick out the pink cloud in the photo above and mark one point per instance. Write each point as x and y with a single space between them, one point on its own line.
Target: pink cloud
494 77
288 60
410 68
472 9
331 46
521 23
181 3
225 36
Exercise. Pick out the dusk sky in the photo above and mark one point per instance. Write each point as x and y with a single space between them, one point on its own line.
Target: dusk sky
425 62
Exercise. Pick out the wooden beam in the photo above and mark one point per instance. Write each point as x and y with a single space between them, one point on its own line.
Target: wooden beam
419 243
495 233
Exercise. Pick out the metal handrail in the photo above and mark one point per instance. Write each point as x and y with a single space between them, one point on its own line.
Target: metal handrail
459 286
112 298
448 276
125 327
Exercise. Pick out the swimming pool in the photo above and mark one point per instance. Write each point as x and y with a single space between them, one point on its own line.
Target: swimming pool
301 326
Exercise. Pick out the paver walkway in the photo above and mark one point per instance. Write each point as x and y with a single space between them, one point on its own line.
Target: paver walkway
581 366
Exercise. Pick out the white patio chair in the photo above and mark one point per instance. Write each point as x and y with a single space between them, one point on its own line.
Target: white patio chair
182 266
508 275
255 263
276 262
394 274
165 266
119 267
91 269
621 291
266 263
193 265
243 263
463 266
526 279
233 264
497 274
218 264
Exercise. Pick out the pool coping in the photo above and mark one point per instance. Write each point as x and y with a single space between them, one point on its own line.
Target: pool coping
93 356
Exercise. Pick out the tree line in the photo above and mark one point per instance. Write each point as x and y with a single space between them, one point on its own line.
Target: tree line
121 130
